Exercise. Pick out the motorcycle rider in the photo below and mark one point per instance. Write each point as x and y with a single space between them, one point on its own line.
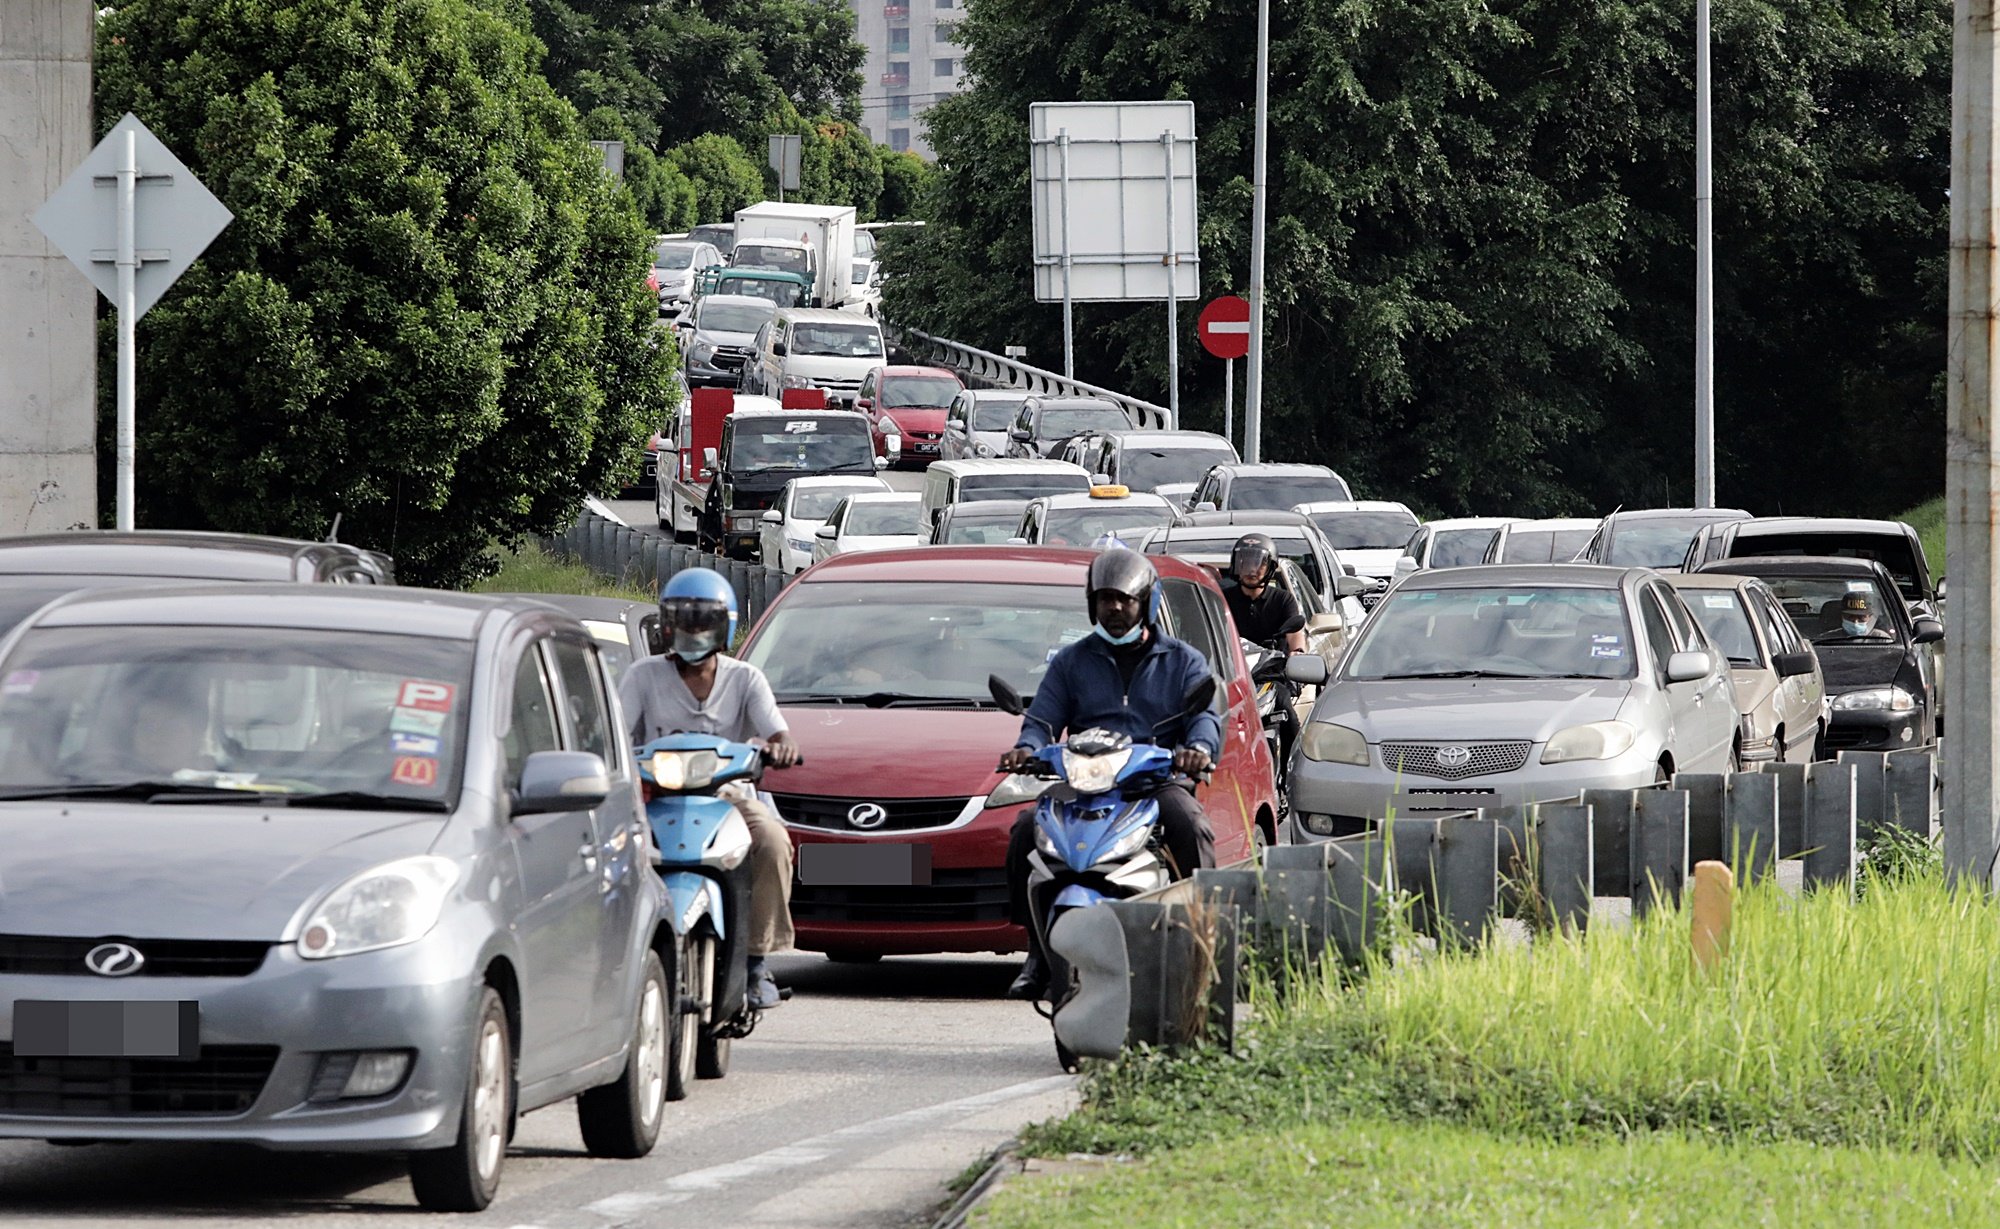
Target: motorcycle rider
1131 678
693 688
1264 612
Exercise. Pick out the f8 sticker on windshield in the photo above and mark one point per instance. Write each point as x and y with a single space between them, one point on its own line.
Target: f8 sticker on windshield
416 721
420 771
802 427
414 744
426 695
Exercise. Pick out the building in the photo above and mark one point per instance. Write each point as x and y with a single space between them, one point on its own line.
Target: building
912 62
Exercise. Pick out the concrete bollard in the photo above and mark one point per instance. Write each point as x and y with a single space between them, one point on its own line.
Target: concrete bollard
1910 790
1659 848
1364 882
1714 906
1830 825
1611 812
1515 825
663 564
1750 825
1466 865
1870 790
1706 793
1791 807
1410 844
1564 859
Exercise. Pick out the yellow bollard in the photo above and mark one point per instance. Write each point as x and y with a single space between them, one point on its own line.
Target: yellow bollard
1714 901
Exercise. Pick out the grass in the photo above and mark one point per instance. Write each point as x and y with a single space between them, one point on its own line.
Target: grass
1928 520
1367 1174
531 569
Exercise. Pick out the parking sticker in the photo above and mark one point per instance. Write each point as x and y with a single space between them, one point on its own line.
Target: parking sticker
414 744
20 682
416 721
417 770
1718 601
428 696
1603 639
1606 650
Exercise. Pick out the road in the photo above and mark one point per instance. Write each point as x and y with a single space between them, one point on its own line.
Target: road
852 1105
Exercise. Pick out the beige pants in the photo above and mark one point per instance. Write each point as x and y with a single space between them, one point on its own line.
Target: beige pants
770 876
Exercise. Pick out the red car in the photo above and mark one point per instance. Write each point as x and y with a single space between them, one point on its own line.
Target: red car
909 404
880 662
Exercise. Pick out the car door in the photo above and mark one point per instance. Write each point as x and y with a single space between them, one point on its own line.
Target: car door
1225 796
1704 713
1802 697
557 926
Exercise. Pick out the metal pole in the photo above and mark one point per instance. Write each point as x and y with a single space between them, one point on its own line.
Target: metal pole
1704 274
1173 261
1253 384
1229 400
1069 311
1972 480
128 315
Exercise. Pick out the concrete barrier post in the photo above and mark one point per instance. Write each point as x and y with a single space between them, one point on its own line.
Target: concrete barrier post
1412 845
1364 882
1564 859
1750 825
1830 825
1467 867
1659 848
1910 790
1611 812
1516 832
1870 790
1791 807
1706 793
1296 893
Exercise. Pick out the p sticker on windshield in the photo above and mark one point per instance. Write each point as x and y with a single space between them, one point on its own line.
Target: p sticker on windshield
426 695
1606 650
420 771
20 682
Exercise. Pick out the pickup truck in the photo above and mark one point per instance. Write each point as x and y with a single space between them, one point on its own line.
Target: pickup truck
782 289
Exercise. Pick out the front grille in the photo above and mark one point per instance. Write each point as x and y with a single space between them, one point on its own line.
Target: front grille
1853 737
728 357
951 896
1421 759
224 1081
905 814
164 957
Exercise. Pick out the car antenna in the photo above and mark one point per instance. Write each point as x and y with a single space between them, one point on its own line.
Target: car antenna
333 532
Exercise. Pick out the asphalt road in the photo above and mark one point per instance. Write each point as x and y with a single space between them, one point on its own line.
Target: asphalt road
852 1105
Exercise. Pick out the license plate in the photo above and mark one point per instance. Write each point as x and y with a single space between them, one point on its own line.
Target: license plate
50 1028
864 866
1442 800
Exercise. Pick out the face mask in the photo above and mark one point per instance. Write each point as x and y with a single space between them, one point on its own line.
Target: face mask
1136 631
696 647
1853 628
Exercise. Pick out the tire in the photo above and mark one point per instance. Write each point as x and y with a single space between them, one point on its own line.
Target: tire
711 1053
1066 1057
621 1120
686 1032
1819 744
465 1176
663 511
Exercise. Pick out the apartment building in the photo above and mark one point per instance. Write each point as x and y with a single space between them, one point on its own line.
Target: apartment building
912 62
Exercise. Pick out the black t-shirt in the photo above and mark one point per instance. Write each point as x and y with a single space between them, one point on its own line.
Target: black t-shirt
1264 620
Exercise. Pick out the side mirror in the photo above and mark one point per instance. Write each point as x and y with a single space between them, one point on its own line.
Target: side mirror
561 781
1940 588
773 517
708 458
1406 565
1324 622
826 533
1004 695
1351 586
1791 665
1208 505
1929 630
1685 667
1100 480
1306 669
955 424
1017 542
1198 697
778 348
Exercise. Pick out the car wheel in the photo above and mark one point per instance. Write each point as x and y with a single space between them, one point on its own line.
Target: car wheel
1735 758
465 1176
622 1119
1819 743
1778 746
662 512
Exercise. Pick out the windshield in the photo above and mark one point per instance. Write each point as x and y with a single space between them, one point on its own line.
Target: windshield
781 294
837 340
860 275
1285 491
936 642
993 414
732 317
673 256
1656 542
1461 548
799 443
1814 602
864 244
1720 613
1082 526
981 529
1367 530
762 256
1893 553
244 709
816 503
1060 422
881 518
919 392
614 645
1544 545
1510 632
1142 469
1020 486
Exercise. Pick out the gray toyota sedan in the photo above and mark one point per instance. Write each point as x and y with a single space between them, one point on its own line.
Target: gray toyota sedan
322 869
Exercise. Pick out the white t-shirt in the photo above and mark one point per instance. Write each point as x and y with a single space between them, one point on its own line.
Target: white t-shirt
658 703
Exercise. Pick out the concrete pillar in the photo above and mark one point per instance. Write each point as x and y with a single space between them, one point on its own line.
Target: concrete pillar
48 311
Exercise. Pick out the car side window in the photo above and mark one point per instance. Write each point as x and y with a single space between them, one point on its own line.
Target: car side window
1187 621
589 725
1224 662
1778 629
868 385
1026 420
1685 631
763 339
1659 636
531 724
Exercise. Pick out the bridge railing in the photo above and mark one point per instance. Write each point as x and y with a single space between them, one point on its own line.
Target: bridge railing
997 371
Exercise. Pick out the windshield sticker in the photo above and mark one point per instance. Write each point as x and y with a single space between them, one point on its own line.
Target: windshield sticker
428 696
416 770
801 427
1719 601
414 744
1607 639
1606 650
415 721
20 682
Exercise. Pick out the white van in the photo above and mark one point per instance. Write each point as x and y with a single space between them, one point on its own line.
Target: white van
950 482
805 347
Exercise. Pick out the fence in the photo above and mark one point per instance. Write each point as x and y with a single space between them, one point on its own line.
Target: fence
1462 873
645 561
991 369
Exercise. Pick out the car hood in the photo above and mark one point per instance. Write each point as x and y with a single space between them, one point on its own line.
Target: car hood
915 417
716 337
184 872
938 753
1467 709
1848 667
1373 562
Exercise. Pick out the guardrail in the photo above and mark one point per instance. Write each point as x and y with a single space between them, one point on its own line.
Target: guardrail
1161 969
999 372
627 556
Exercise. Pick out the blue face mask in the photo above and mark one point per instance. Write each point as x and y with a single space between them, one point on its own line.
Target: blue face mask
695 648
1854 628
1137 630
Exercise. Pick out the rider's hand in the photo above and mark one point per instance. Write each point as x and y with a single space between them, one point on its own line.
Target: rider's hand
1016 759
781 751
1191 760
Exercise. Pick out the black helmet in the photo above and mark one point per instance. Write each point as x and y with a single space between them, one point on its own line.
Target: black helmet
1254 558
1127 572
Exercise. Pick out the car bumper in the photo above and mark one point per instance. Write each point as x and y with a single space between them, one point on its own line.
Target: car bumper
963 909
1877 730
1357 797
701 375
416 998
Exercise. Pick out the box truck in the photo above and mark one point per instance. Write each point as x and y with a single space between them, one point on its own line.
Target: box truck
827 229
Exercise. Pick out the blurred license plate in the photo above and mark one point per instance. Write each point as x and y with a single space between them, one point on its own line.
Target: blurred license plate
1442 800
49 1028
864 866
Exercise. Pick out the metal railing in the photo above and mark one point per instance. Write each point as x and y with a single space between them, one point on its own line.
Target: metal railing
992 370
645 561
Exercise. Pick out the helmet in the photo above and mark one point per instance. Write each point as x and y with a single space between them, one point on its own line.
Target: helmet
697 614
1124 571
1254 558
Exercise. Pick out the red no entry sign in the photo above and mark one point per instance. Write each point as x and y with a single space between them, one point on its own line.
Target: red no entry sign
1224 327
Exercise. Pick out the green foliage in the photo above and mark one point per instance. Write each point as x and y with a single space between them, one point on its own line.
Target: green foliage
1480 243
905 177
529 568
723 176
664 196
1928 520
429 314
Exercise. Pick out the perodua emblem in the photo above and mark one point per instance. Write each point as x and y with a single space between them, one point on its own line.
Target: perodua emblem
1454 757
867 815
114 960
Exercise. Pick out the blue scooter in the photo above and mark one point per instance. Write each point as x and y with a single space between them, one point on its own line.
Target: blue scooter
700 849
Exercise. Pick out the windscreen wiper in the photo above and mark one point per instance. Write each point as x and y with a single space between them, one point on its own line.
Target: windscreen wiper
192 791
888 699
366 800
1464 674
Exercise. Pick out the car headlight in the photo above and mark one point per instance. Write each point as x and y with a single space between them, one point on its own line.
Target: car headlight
389 905
1600 740
1094 774
1333 744
746 520
797 382
1875 699
679 770
728 845
700 352
1017 789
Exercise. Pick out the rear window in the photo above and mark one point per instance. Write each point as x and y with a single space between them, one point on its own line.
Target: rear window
881 519
1655 542
1285 490
919 392
1461 548
1020 486
1544 545
1366 530
1892 552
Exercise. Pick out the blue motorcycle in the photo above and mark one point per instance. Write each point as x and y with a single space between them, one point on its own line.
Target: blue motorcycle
701 846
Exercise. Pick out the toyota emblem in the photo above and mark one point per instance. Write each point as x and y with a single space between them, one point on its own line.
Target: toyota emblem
867 815
114 960
1454 757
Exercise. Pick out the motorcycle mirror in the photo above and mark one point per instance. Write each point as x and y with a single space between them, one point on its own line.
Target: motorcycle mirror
1004 695
1198 697
1269 668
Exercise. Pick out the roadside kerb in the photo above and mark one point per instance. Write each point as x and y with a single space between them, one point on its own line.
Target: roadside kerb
630 557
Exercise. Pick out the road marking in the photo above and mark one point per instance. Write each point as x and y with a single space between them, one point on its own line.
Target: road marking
683 1187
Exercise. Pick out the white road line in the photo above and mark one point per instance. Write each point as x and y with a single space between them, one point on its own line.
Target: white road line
683 1187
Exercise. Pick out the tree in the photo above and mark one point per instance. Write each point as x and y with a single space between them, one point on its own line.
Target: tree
904 179
724 177
666 198
429 315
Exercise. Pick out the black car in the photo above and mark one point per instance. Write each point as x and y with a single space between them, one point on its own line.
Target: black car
977 522
1893 544
38 568
1652 537
1883 686
1045 422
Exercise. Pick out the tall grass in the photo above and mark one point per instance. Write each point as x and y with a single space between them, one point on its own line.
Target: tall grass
1928 520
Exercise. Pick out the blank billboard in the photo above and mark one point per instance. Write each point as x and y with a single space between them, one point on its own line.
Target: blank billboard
1117 178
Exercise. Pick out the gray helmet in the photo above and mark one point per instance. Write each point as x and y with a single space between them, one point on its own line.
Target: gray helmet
1255 556
1127 572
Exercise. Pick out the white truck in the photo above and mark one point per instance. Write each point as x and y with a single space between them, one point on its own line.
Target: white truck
827 229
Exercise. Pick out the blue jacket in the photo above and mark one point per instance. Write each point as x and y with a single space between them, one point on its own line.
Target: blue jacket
1083 690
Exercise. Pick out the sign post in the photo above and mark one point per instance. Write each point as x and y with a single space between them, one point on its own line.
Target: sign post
784 160
1224 330
132 245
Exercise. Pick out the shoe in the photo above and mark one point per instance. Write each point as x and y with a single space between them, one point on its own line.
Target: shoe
764 994
1033 981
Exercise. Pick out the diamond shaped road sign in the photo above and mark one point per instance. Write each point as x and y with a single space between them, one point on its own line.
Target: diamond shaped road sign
175 217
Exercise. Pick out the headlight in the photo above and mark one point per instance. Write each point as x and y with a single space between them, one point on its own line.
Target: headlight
797 382
1094 774
728 845
1333 744
1128 844
745 520
1600 740
700 352
679 770
1884 699
395 903
1046 843
1017 789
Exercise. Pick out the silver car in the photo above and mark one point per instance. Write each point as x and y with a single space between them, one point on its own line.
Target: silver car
1493 686
324 870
